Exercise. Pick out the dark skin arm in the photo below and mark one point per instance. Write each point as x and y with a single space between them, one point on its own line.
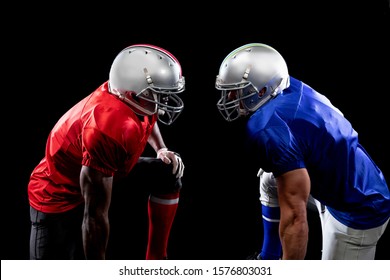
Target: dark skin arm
293 192
96 189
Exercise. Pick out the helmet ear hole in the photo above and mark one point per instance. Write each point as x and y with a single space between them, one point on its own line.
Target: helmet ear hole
262 91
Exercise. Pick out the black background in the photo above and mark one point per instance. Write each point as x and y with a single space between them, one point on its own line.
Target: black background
55 55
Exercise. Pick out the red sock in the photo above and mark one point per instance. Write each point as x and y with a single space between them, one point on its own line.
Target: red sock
161 211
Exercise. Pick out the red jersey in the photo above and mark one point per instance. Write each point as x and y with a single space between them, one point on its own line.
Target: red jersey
101 132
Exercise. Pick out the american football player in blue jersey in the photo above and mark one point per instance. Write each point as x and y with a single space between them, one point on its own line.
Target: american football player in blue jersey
311 149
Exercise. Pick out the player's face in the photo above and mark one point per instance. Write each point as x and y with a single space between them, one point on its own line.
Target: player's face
148 100
145 99
234 95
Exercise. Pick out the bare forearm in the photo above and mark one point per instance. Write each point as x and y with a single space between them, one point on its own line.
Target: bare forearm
294 241
155 139
293 193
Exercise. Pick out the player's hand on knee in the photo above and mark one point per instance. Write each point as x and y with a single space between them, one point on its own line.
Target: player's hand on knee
171 157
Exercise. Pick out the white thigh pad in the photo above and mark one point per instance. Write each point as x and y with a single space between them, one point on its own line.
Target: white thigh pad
268 189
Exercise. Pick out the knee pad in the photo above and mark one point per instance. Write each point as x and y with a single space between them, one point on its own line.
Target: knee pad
158 175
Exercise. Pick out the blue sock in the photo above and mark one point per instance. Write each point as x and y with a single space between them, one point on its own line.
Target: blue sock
272 247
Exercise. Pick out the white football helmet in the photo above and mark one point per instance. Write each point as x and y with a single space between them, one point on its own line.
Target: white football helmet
248 77
148 79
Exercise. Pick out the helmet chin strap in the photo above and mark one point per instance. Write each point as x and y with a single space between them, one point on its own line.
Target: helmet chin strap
132 104
270 96
262 102
138 107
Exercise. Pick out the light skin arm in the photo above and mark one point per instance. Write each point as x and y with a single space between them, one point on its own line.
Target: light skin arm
293 192
155 139
96 189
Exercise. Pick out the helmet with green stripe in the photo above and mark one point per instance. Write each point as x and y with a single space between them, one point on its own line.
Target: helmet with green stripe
249 77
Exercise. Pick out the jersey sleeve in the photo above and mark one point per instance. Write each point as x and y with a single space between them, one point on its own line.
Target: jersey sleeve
101 152
279 149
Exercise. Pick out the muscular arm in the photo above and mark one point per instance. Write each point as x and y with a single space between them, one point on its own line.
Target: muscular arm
293 192
96 189
155 139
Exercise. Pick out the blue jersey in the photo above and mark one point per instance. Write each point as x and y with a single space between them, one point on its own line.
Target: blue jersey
300 128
